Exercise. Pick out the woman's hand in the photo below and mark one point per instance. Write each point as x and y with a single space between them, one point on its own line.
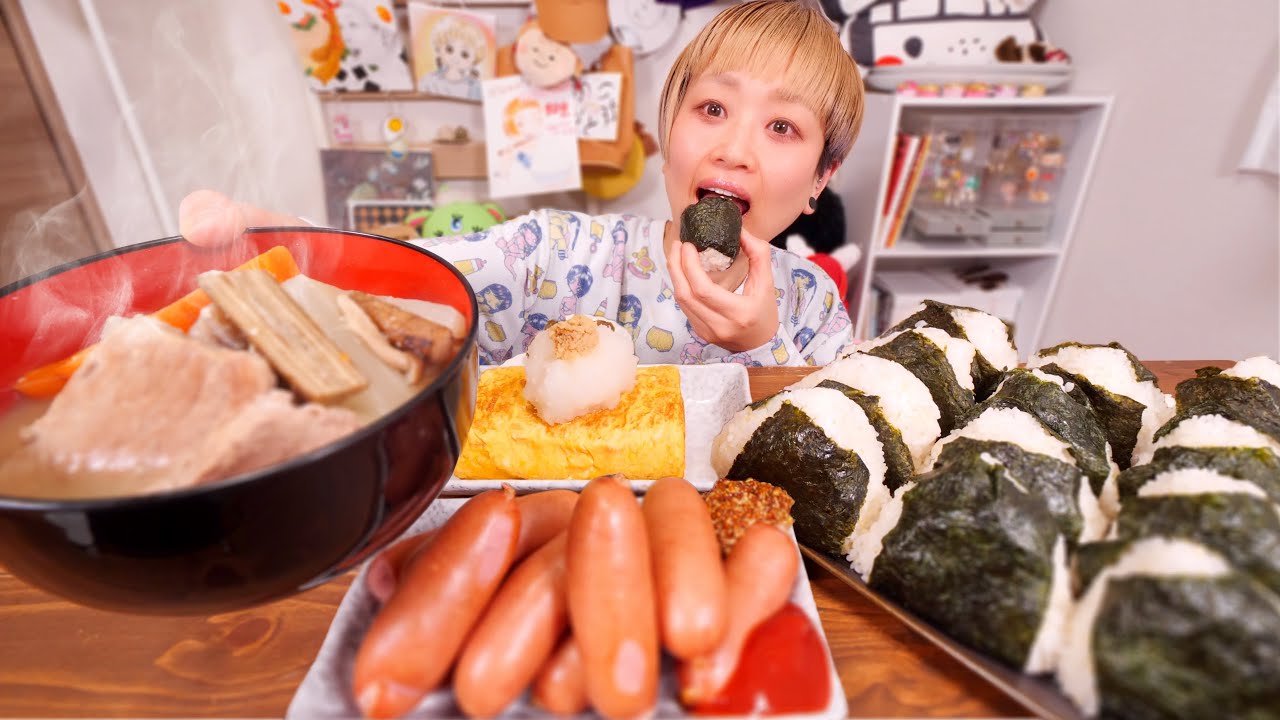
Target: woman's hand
732 321
209 219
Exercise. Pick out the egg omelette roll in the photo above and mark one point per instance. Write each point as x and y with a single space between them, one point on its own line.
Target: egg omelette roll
642 437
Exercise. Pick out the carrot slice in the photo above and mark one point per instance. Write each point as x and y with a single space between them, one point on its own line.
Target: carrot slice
47 380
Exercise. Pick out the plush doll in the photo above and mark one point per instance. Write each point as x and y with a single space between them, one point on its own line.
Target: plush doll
820 237
458 218
582 28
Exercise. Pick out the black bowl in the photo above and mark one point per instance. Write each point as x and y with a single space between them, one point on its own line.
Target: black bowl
257 537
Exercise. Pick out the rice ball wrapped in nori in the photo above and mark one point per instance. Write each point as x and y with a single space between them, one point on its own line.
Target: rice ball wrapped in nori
991 336
1122 391
1055 403
1232 517
1170 630
714 226
970 549
1257 466
905 400
818 445
945 365
1208 431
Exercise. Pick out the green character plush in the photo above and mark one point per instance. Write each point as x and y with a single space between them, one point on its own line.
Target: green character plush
458 218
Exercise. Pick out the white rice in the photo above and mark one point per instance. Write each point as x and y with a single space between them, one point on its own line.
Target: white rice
959 352
1109 498
1109 368
733 437
903 398
1047 646
1194 481
1094 520
1009 425
865 547
714 260
1210 431
1260 367
1153 557
562 389
989 335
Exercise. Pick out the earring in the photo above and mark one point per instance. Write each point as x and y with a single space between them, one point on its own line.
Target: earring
813 203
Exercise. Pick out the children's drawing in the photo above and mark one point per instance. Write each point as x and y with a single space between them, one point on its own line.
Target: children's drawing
598 96
348 45
532 138
453 50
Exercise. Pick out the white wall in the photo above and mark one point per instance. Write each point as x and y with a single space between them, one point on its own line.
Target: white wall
1176 254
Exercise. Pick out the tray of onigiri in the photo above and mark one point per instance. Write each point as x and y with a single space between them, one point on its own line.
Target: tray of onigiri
1088 543
579 405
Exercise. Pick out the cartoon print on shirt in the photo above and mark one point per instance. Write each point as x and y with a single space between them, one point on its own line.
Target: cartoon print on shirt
828 303
562 230
838 321
470 265
618 258
780 352
520 244
494 299
602 308
548 290
803 337
691 353
597 232
667 293
534 324
494 331
579 281
659 339
531 278
777 296
641 265
629 311
802 288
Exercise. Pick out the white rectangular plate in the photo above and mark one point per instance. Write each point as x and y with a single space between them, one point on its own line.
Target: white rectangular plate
712 394
325 692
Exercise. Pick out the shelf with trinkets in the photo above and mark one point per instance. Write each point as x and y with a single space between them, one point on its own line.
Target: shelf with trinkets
991 182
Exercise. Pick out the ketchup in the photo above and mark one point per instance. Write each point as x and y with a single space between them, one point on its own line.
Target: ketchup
783 669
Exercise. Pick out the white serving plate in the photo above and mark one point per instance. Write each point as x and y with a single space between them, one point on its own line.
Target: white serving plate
325 692
712 394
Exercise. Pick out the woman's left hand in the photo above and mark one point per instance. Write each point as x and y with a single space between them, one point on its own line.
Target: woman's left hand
732 321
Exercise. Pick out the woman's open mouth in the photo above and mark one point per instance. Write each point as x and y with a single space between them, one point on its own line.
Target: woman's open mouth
743 204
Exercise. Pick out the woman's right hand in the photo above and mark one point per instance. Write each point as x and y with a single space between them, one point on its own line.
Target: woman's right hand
208 218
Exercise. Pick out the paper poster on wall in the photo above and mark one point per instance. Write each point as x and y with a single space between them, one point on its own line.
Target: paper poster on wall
348 45
532 137
453 50
372 175
598 96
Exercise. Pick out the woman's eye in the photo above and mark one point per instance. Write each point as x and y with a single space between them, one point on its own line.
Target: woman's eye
782 127
713 109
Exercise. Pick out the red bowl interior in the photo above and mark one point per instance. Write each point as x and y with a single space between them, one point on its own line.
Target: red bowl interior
48 317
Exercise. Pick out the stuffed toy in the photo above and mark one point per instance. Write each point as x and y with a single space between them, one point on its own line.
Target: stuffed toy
820 238
896 32
582 28
457 218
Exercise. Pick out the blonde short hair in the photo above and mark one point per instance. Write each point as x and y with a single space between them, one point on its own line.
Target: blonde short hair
786 39
452 30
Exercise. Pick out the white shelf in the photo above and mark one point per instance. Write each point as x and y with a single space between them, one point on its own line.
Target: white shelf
863 185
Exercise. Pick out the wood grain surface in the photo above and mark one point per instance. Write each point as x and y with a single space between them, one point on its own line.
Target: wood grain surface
58 659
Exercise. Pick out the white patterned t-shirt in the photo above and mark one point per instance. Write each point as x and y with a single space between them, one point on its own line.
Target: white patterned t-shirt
550 264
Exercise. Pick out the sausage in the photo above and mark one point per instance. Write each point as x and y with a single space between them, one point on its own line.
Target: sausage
560 687
688 576
759 573
416 636
611 607
542 516
516 635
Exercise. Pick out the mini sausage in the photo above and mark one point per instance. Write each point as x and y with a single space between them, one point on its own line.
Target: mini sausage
611 606
543 515
561 685
688 575
759 573
442 594
516 635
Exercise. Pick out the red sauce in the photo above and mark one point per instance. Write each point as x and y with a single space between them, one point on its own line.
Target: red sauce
783 669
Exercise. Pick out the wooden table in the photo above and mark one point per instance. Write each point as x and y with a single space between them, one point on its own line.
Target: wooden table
60 659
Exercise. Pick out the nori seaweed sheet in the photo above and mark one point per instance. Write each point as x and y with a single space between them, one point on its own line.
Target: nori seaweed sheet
1091 559
1243 528
1056 482
1168 647
897 457
928 362
1260 466
938 315
1143 373
1250 401
1071 422
973 554
713 222
1119 415
827 482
